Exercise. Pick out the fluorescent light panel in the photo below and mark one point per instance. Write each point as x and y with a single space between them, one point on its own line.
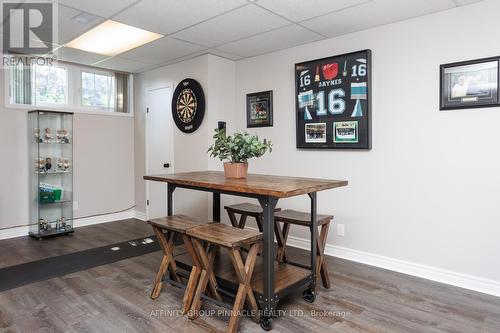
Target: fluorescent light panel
111 38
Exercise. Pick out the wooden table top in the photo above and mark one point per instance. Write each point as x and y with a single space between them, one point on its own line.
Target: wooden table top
275 186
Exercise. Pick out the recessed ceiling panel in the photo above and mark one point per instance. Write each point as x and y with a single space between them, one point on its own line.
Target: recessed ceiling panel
104 8
168 16
161 51
374 13
240 23
298 10
278 39
69 28
120 64
78 56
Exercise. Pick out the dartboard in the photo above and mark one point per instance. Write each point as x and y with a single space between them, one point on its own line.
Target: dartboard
188 105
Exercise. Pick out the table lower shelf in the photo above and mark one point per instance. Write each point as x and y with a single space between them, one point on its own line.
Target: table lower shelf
287 277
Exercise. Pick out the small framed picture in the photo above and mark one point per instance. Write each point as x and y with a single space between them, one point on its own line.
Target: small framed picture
315 132
260 109
470 84
345 131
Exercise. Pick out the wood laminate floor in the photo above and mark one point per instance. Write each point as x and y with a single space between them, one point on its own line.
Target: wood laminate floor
115 298
19 250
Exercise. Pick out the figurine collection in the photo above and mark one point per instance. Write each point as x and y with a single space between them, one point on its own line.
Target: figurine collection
44 165
62 136
58 225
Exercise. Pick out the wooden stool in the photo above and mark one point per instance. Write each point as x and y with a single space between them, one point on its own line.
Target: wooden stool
248 209
289 217
177 224
244 210
232 239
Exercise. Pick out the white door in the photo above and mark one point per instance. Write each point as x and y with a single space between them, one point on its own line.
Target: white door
159 148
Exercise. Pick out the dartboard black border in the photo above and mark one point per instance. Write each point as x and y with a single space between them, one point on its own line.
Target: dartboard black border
195 86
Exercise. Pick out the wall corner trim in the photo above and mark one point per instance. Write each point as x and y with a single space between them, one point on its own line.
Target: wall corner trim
140 215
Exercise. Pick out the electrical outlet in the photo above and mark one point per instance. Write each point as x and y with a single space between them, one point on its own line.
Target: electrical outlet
75 205
340 229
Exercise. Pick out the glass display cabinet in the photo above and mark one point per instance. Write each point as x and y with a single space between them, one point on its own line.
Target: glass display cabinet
50 137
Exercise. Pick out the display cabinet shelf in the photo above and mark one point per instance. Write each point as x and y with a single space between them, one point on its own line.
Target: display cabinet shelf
53 173
56 202
51 178
55 143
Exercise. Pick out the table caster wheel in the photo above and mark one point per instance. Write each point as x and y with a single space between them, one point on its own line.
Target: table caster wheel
266 323
309 295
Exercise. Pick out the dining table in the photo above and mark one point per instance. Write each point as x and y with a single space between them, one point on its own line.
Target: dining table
272 280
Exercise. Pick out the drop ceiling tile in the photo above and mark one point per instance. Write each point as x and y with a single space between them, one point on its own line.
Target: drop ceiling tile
223 54
240 23
104 8
372 14
298 10
78 56
278 39
161 50
168 16
121 64
174 61
68 28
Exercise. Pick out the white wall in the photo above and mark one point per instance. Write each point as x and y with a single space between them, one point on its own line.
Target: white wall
103 164
216 75
428 191
423 200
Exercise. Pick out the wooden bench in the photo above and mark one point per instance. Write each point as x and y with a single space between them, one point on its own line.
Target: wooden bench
289 217
219 235
177 224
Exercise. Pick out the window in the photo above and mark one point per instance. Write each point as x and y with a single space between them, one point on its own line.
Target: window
98 90
50 85
68 87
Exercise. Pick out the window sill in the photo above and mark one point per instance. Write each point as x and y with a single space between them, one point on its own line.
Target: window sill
68 109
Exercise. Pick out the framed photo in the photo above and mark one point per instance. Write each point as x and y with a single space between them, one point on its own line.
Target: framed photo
316 132
470 84
345 131
260 109
333 106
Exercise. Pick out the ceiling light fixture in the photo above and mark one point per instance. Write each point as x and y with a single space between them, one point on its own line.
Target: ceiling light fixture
111 38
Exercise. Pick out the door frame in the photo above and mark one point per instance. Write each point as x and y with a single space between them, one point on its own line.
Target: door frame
146 141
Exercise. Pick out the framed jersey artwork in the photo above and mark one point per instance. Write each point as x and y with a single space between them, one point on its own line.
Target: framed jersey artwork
333 108
188 105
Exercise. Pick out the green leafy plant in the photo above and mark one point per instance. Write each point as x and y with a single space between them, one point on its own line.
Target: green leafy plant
238 148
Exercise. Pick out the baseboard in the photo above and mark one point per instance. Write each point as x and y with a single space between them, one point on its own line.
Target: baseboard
465 281
140 216
77 223
14 232
86 221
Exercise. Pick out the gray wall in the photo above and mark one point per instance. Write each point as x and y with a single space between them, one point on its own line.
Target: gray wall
216 76
428 191
103 169
425 197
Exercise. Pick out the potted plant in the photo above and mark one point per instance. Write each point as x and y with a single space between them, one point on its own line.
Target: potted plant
237 149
